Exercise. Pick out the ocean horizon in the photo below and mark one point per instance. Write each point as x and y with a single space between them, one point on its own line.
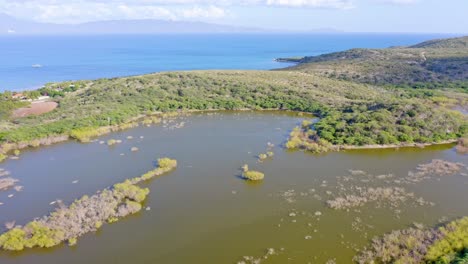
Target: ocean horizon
29 62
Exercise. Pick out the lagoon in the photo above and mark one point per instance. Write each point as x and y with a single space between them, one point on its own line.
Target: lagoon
204 213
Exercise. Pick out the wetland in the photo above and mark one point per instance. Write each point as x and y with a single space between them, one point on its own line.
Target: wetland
307 206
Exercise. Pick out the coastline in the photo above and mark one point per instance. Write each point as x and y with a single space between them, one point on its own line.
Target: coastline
397 146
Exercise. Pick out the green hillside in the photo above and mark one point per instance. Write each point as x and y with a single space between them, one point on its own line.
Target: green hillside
431 64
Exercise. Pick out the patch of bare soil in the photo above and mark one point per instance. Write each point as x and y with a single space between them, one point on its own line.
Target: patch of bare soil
35 109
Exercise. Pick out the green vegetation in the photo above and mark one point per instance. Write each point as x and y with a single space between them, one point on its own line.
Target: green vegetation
253 175
454 243
166 163
85 215
111 142
3 157
444 245
8 104
306 138
433 64
351 113
390 123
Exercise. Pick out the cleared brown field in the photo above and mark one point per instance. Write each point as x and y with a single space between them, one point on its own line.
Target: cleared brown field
35 109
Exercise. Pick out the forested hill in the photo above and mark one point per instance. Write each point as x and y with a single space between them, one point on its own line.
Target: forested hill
452 43
439 63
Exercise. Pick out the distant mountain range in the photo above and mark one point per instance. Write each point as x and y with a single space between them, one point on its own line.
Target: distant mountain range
11 25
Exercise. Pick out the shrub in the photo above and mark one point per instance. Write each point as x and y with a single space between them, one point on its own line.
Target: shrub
13 239
133 192
253 175
3 157
72 241
166 163
455 241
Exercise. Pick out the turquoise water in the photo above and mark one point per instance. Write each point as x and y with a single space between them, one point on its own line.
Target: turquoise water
90 57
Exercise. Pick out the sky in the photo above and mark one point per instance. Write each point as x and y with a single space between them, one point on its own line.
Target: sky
412 16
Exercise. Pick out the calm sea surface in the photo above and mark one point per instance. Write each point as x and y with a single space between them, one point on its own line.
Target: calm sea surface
90 57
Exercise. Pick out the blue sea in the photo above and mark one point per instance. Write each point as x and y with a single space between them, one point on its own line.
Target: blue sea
91 57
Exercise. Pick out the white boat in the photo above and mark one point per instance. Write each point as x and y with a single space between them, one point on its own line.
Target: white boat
37 66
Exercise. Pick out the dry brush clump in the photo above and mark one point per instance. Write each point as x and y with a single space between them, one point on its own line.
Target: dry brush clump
441 245
436 167
7 183
393 196
407 246
4 172
84 215
462 146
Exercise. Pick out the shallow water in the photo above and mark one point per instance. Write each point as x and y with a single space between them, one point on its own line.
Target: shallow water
203 213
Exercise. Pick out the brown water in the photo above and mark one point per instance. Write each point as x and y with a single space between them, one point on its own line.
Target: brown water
203 213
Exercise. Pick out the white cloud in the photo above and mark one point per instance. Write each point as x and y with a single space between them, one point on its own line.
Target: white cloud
76 11
399 2
210 12
339 4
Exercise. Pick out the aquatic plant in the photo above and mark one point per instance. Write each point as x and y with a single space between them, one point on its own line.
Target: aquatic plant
111 142
262 156
3 157
164 165
253 175
245 168
85 215
85 134
16 152
149 120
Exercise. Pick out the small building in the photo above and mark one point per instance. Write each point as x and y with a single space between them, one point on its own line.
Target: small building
19 96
